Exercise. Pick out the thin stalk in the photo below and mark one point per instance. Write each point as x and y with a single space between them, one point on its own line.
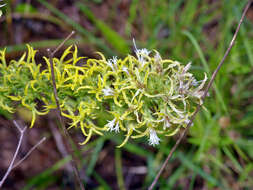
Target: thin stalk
59 115
22 132
183 134
12 166
29 152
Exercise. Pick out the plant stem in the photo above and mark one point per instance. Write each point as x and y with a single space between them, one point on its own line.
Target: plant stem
183 134
59 115
12 166
29 152
22 131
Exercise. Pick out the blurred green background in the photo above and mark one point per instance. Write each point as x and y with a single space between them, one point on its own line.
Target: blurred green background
218 151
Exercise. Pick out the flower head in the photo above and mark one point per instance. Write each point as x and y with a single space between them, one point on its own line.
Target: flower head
153 138
145 95
113 126
141 54
108 91
113 63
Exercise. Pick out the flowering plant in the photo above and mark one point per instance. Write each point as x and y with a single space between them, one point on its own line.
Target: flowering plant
138 96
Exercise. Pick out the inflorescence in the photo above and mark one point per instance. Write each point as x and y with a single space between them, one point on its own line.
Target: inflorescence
137 96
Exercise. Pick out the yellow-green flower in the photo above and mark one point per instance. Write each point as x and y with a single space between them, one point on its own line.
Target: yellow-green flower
137 96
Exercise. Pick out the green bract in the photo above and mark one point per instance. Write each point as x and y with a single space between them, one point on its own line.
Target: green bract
138 96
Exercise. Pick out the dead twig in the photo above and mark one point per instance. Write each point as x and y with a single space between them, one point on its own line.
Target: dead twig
183 134
12 166
29 152
59 115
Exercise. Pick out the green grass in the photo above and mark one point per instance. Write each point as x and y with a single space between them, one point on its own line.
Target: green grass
179 30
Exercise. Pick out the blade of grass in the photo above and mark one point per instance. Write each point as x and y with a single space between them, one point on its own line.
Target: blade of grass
94 156
210 123
130 147
101 181
210 83
188 13
213 159
245 39
9 22
246 172
246 145
193 178
150 172
232 158
118 167
40 44
177 174
187 162
132 16
161 153
242 86
241 153
39 16
46 175
206 67
77 27
110 35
